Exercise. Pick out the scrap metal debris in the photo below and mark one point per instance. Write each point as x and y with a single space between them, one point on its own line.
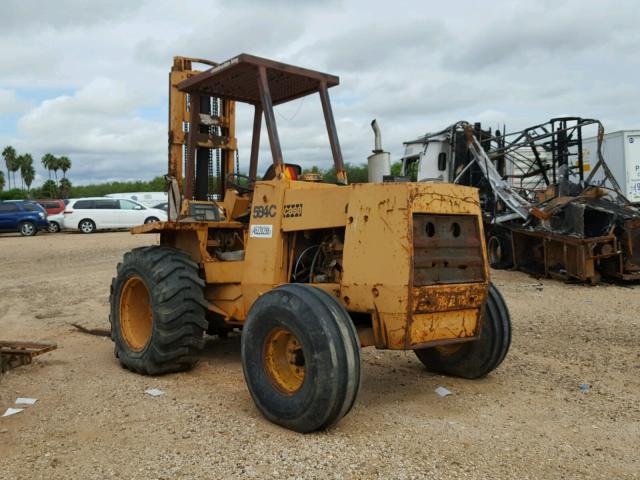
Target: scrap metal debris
546 210
13 354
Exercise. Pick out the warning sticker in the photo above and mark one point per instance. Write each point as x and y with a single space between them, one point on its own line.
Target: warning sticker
261 231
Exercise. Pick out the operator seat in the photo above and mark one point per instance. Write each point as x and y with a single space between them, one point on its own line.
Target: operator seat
291 171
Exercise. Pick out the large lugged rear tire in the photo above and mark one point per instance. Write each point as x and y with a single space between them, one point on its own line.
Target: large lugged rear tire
301 357
477 358
157 311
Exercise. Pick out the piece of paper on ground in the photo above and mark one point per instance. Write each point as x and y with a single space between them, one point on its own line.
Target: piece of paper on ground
443 392
26 401
154 392
12 411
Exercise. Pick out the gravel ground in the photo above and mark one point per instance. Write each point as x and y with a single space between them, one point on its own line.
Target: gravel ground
527 420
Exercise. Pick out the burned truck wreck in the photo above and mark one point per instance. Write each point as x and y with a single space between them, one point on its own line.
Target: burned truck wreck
546 210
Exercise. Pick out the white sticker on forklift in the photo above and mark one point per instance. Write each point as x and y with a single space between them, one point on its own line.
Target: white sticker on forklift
261 231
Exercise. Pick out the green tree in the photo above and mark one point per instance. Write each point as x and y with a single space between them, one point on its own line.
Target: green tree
9 154
15 166
65 164
47 162
23 161
49 189
28 174
55 166
1 180
13 194
355 173
26 167
65 187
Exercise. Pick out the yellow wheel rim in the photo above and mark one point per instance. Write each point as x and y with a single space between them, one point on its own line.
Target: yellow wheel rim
284 360
136 316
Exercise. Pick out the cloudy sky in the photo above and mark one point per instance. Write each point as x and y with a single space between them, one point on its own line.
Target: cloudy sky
88 79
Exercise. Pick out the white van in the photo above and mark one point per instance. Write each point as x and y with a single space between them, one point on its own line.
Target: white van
148 199
98 213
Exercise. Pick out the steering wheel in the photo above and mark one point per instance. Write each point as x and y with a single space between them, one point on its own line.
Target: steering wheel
233 180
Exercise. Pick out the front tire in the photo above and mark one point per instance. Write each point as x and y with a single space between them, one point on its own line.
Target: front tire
54 227
28 229
477 358
151 220
301 357
157 311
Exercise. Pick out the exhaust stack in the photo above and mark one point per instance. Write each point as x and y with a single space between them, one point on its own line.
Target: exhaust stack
379 163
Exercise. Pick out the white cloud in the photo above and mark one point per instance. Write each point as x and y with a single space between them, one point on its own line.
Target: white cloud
416 66
10 103
25 15
99 129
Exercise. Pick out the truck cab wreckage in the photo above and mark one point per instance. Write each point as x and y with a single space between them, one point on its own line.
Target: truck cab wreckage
542 212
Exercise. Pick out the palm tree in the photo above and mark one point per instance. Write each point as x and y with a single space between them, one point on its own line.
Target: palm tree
9 154
55 166
65 164
28 174
1 180
65 187
15 166
47 161
25 162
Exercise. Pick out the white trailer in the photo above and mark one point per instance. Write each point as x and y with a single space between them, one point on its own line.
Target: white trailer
148 199
621 151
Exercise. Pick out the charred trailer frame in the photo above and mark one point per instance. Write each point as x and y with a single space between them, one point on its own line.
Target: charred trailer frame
542 213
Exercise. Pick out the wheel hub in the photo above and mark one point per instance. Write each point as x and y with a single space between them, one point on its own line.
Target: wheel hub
136 316
284 360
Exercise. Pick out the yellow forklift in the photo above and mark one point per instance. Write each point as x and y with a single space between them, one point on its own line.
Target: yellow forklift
310 271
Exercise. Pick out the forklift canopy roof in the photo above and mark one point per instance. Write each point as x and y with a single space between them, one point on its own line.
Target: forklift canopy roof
237 79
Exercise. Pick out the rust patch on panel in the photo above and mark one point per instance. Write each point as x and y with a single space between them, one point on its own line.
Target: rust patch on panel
451 297
438 326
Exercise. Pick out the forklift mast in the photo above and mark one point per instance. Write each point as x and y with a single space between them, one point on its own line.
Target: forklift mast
202 142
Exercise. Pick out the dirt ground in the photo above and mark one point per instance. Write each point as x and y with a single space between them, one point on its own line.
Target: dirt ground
527 420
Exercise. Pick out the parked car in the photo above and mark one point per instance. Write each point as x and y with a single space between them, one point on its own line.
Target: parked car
101 213
55 222
52 207
162 206
21 216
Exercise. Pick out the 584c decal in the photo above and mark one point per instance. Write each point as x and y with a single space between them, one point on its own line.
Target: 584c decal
264 211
